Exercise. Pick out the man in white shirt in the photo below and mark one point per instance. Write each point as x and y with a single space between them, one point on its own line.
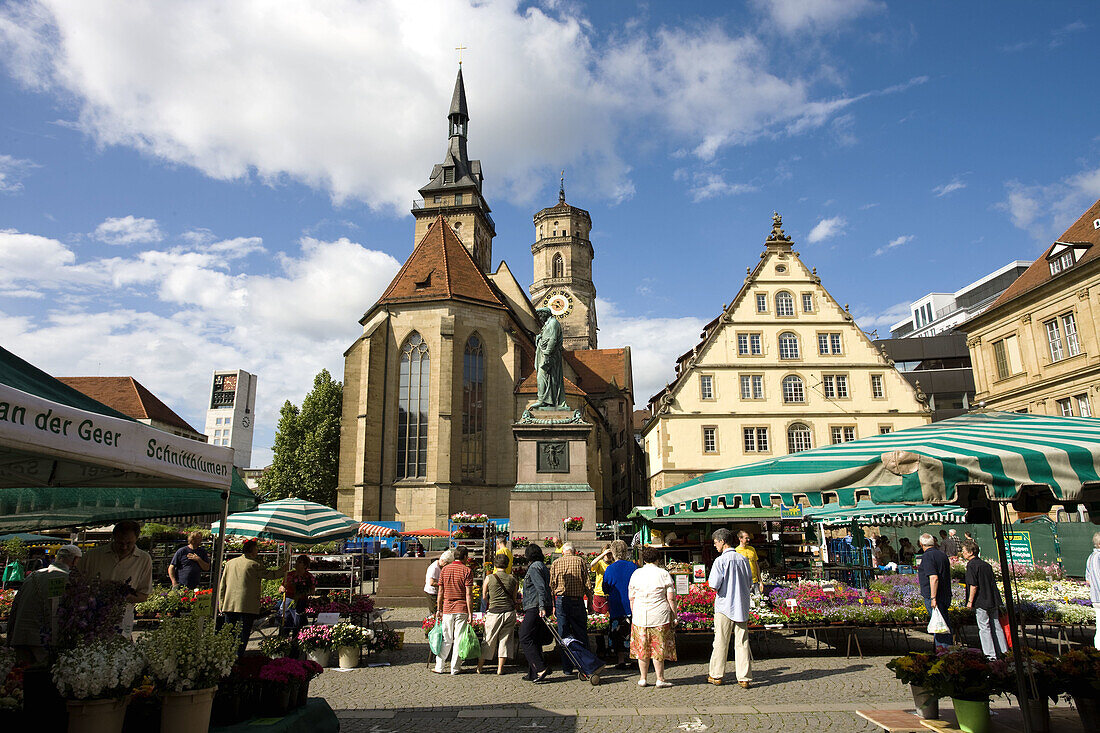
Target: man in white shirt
731 578
121 560
1092 577
431 580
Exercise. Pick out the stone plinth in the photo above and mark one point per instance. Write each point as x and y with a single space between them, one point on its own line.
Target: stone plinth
552 476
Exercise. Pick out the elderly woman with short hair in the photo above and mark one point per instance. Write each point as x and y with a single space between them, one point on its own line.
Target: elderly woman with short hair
653 607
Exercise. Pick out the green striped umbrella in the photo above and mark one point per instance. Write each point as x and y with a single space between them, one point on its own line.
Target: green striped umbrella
291 520
1003 451
885 515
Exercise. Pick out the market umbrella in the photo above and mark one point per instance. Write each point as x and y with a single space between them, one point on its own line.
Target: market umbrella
366 529
885 515
290 520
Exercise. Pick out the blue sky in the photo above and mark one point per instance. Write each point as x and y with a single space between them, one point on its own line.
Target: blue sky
206 185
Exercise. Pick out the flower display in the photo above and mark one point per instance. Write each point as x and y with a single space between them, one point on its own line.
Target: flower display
7 661
468 518
283 670
187 653
90 609
345 634
312 638
103 668
962 673
164 602
356 605
276 646
912 669
520 542
548 541
11 690
1079 671
573 524
6 598
385 639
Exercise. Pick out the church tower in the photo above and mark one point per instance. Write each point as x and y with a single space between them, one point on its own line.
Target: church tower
563 270
455 189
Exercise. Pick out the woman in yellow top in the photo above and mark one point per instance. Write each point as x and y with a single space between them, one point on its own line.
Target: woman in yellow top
599 597
749 554
502 549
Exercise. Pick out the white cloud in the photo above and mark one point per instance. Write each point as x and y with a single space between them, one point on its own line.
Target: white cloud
873 320
955 184
347 97
895 242
12 171
654 343
818 15
826 228
128 230
708 185
1045 211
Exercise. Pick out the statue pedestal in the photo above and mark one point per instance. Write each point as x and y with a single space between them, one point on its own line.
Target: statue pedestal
552 477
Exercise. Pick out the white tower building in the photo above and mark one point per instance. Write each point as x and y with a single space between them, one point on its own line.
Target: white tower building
231 413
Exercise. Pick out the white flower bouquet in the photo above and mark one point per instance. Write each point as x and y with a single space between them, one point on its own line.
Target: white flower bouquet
188 654
100 669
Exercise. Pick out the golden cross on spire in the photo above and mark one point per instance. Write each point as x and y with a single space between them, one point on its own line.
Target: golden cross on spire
460 49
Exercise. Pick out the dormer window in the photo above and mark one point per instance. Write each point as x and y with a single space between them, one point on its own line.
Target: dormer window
449 174
1063 261
1065 255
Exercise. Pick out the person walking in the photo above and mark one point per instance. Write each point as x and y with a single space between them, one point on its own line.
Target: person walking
569 585
189 563
616 583
653 609
456 603
537 605
30 621
749 553
598 567
934 575
431 580
982 596
240 586
1092 577
731 579
500 616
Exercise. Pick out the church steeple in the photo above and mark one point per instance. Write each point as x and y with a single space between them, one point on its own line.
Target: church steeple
458 116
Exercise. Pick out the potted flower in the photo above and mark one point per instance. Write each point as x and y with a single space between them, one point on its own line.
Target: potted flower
1079 672
187 658
281 680
312 669
573 524
1040 667
316 642
912 669
96 679
966 677
548 541
347 639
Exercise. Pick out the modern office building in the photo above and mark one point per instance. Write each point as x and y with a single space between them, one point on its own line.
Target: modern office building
939 366
231 413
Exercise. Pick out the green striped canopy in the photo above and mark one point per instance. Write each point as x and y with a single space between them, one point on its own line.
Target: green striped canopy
291 520
868 513
1003 451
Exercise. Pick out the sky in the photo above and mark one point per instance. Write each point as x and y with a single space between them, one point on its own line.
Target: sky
208 185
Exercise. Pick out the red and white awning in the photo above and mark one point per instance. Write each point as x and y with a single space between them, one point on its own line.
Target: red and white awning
426 533
367 529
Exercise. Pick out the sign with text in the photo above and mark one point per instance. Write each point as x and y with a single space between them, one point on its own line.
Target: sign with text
790 512
682 583
1018 545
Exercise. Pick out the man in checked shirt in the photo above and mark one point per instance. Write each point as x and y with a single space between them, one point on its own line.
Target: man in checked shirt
569 585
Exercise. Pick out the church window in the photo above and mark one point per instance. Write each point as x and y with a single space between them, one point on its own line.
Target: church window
558 266
412 408
788 345
784 304
473 409
793 390
799 438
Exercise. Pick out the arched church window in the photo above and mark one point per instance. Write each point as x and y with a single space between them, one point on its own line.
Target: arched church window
412 408
473 409
558 267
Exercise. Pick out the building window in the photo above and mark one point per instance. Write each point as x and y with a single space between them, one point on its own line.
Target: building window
835 386
885 429
788 346
1073 348
449 174
458 199
473 409
784 304
749 344
1062 337
761 303
843 434
1083 407
828 343
878 389
799 438
752 387
558 268
756 440
412 408
1065 407
1062 262
706 387
1006 355
792 389
807 302
437 199
710 440
217 421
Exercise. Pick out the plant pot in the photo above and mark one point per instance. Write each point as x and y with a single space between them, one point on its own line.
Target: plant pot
928 705
400 639
277 698
1089 710
228 707
303 693
321 656
97 716
186 712
1038 712
972 715
349 657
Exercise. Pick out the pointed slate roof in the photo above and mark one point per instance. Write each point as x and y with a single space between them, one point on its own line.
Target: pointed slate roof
458 99
441 268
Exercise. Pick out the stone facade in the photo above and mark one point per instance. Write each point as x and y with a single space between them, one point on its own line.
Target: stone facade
785 361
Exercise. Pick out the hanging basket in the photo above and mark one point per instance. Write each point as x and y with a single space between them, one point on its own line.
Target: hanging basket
97 716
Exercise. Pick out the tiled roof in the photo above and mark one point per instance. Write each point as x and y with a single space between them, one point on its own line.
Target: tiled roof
596 369
530 385
440 268
128 396
640 418
1083 231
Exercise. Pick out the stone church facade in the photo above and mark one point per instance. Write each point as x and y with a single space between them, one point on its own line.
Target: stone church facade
445 363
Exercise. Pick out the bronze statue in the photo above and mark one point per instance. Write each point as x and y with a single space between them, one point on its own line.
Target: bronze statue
548 367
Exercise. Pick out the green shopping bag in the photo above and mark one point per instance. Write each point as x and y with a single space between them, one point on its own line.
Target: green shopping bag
435 639
468 646
13 573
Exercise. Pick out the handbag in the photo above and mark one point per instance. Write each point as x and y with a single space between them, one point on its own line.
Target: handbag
435 639
468 646
1003 620
936 624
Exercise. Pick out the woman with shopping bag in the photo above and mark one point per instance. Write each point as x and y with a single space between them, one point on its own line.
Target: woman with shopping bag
934 574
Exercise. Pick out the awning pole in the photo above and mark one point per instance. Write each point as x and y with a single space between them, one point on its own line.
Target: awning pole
1010 606
219 554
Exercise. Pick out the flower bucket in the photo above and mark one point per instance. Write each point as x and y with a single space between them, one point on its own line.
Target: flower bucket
928 705
349 657
321 656
1038 712
277 699
972 715
186 712
400 639
1089 710
97 716
303 693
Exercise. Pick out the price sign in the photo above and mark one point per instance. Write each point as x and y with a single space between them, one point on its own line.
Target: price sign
56 587
682 582
1018 545
328 619
203 605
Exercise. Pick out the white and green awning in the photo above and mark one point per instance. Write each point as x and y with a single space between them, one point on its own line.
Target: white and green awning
870 514
1002 451
291 520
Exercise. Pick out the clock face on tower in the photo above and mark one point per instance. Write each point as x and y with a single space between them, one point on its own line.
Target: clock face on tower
559 301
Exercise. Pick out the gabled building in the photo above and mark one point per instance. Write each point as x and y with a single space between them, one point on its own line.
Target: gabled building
131 398
1036 348
784 368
